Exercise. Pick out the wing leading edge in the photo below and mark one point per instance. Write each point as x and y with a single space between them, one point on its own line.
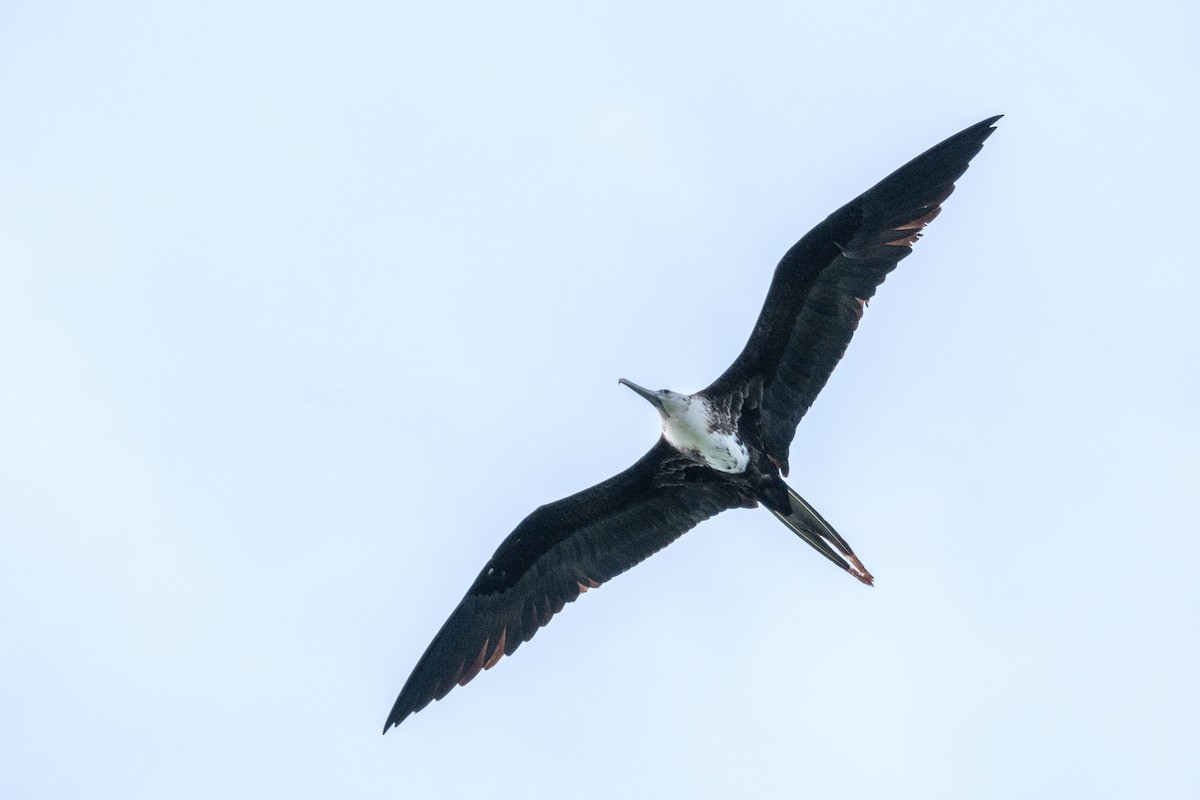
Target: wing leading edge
823 283
558 552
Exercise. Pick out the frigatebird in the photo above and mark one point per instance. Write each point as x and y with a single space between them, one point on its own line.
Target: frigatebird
723 447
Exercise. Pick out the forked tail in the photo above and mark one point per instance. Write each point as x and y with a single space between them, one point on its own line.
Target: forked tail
810 526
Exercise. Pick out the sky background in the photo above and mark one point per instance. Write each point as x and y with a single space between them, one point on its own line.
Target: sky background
303 306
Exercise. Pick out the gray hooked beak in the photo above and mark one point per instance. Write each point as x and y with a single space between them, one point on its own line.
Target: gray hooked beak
653 397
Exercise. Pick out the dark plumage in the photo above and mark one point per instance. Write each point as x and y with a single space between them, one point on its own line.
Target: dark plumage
724 447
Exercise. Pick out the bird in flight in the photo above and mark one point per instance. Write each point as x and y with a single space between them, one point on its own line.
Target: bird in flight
723 447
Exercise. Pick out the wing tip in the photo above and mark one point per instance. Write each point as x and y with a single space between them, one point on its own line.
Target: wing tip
978 133
396 717
413 697
988 126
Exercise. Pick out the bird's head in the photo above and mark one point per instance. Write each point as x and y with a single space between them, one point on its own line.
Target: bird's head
669 404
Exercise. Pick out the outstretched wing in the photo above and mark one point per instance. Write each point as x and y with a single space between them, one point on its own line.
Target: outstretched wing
559 551
824 281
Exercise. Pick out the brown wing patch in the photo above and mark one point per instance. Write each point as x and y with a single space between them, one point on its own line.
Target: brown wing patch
476 665
498 652
911 231
591 584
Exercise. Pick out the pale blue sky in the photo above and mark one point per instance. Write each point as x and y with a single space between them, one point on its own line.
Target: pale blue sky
304 306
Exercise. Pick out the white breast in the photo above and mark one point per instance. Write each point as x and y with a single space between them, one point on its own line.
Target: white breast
687 428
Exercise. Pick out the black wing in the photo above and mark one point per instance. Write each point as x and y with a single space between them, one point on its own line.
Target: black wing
559 551
823 283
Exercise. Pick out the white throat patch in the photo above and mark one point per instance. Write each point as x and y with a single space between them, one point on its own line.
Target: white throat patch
688 425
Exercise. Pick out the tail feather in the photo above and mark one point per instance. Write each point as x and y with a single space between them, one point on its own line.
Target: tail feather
810 526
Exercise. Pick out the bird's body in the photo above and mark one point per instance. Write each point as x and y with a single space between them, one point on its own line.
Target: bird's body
726 446
702 429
